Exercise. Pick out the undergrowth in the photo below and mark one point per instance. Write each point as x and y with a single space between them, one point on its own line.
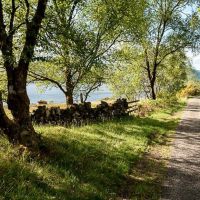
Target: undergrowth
84 163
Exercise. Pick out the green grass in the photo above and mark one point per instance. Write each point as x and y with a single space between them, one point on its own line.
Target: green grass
86 163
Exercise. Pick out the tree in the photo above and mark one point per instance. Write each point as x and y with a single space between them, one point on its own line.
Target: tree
127 76
20 22
79 38
91 82
167 30
172 75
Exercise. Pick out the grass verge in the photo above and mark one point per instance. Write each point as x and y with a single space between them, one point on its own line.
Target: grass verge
99 161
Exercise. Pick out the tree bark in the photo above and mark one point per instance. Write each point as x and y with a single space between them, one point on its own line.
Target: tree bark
151 75
153 81
81 98
18 103
153 92
69 88
69 97
19 130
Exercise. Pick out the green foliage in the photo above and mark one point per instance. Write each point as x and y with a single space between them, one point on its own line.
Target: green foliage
146 107
77 37
172 75
191 89
78 40
136 46
3 80
127 76
18 27
3 86
166 32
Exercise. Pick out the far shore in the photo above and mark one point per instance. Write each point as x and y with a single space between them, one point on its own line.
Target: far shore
34 106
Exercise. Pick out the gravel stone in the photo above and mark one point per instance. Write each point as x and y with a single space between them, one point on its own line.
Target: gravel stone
183 178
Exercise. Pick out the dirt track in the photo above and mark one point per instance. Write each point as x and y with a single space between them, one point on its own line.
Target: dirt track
183 179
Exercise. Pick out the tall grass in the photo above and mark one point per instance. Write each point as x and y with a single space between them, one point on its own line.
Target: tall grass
85 163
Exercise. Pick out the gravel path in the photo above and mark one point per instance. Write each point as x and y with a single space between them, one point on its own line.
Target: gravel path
183 181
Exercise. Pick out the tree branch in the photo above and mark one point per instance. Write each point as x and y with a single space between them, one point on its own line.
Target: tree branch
93 87
31 34
39 77
171 52
72 12
15 29
148 68
3 34
12 16
27 11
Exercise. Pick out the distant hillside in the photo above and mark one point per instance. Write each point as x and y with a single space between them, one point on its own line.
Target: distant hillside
194 74
197 72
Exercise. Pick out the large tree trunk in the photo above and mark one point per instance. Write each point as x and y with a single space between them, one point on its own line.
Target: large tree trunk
18 103
20 129
69 88
69 98
19 132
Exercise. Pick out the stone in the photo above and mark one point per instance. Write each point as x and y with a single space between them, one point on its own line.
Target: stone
80 113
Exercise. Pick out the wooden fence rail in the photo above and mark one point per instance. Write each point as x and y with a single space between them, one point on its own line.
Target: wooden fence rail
133 106
135 101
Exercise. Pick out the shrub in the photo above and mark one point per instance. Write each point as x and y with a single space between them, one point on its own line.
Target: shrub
148 106
192 89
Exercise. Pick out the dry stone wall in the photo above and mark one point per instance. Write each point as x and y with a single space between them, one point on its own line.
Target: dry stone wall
79 114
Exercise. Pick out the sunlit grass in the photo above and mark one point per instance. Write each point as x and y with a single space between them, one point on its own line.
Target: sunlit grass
89 162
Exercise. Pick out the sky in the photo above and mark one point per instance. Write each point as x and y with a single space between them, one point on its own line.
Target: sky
195 59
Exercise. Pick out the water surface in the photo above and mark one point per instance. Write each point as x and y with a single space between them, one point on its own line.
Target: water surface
56 96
